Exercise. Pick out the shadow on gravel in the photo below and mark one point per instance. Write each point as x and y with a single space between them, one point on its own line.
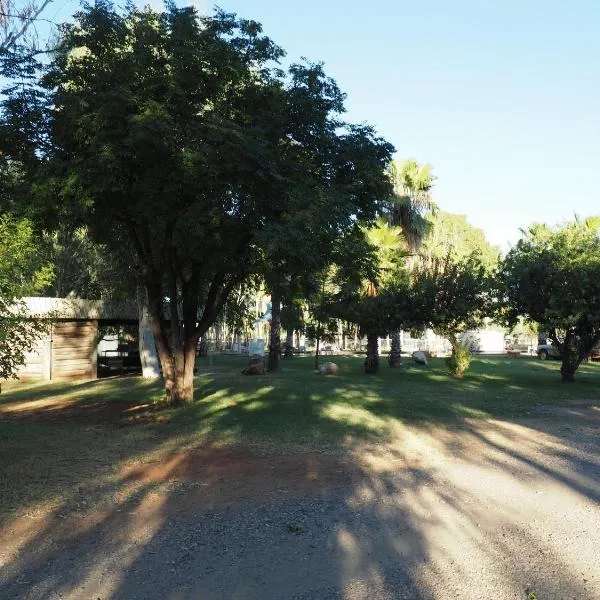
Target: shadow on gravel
418 518
412 502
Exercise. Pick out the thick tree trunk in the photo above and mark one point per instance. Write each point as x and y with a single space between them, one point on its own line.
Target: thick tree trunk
567 373
176 358
148 354
274 360
372 360
289 344
189 356
570 356
570 363
395 357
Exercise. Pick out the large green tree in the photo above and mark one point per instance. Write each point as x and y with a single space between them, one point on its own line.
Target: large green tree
411 203
341 181
552 277
174 134
451 297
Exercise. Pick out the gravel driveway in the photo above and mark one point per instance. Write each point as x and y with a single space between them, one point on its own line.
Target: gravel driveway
489 509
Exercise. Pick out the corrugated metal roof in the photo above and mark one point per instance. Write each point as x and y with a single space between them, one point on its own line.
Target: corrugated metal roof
81 309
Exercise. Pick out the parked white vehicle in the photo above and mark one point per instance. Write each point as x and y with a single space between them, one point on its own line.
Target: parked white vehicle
546 351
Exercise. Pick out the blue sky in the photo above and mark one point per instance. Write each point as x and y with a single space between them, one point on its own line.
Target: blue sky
502 98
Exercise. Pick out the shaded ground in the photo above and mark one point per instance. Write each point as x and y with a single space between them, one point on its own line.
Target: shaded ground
498 507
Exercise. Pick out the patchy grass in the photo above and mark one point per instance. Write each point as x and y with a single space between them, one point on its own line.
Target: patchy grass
61 441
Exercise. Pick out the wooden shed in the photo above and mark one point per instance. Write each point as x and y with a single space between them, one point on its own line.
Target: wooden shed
70 350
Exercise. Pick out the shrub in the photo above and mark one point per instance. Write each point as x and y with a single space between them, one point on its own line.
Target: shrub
458 362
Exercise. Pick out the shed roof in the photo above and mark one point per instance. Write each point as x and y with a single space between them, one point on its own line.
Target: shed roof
81 309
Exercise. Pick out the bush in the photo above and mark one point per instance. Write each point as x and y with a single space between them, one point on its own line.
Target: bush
458 362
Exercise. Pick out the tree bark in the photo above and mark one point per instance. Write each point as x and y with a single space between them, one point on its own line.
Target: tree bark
177 357
317 345
570 362
395 356
147 346
567 373
274 360
289 344
372 360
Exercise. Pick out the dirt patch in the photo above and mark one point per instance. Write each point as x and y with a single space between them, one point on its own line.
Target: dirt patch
223 476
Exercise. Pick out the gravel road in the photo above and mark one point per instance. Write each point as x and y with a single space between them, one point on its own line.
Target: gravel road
490 509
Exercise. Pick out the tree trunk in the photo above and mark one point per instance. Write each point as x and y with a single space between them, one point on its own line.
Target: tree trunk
274 360
148 354
567 373
318 343
176 357
188 371
372 360
571 358
395 357
570 363
289 344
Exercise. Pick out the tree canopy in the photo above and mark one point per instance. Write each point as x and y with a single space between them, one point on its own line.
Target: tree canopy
23 271
182 139
454 296
552 277
452 235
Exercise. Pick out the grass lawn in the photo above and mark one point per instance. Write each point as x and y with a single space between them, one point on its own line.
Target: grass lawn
56 439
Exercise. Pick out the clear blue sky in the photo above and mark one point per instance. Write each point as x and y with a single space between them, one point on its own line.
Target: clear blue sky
502 98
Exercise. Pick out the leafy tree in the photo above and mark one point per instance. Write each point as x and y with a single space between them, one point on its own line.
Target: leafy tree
552 277
23 271
84 268
328 198
411 200
372 291
452 235
453 296
410 204
174 134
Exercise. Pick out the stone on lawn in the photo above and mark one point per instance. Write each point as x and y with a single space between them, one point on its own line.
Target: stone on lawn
256 366
419 358
328 368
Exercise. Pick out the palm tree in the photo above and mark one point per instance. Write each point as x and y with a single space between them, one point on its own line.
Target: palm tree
410 202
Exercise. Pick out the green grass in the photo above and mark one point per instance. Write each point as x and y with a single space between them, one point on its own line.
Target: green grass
52 455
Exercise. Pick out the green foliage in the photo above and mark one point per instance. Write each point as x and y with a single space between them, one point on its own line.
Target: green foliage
85 268
452 235
552 277
458 362
451 297
18 335
390 249
178 139
411 200
23 271
24 268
